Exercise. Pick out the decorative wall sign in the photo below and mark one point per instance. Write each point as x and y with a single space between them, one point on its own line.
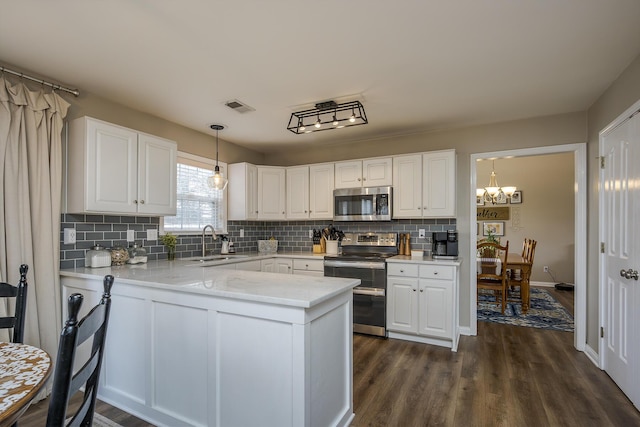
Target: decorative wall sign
491 214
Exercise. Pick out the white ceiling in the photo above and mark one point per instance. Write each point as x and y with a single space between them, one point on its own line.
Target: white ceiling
416 65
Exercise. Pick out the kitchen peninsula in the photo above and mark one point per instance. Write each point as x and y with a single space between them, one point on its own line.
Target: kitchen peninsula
195 345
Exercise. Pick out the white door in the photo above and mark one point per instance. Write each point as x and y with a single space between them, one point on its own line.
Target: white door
377 172
620 202
407 186
271 193
436 303
439 184
156 175
402 304
321 183
348 174
297 189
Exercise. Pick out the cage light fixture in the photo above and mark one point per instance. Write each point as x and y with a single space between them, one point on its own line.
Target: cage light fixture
336 116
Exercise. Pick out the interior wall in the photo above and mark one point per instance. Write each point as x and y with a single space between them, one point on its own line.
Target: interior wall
536 132
546 213
622 94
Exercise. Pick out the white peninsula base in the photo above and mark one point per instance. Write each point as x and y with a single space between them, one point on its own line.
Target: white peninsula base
177 358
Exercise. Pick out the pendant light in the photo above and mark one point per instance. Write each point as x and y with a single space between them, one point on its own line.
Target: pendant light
217 181
493 193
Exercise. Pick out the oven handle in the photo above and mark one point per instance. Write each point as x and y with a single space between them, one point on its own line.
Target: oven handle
356 264
376 292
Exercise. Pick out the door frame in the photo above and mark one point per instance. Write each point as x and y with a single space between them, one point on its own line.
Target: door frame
579 151
602 259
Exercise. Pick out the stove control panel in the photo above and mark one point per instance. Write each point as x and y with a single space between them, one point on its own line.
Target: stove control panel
370 239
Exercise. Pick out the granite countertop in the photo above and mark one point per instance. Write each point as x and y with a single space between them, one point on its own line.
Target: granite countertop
424 260
193 277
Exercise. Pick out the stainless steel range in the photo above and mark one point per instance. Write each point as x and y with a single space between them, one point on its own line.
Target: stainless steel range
363 257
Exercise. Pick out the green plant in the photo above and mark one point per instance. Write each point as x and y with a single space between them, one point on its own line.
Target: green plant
489 252
169 240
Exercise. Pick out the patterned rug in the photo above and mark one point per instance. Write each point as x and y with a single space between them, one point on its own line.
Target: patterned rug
544 311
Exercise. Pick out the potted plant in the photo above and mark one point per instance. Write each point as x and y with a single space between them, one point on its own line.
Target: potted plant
170 240
489 252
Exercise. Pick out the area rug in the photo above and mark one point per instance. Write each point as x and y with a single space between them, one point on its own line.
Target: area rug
545 312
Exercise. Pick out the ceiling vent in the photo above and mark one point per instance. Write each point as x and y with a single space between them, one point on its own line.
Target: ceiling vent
238 106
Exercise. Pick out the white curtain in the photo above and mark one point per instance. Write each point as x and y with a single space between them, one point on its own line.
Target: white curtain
30 184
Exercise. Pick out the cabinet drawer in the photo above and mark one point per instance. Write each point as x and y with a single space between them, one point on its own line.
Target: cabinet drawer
436 272
308 264
403 270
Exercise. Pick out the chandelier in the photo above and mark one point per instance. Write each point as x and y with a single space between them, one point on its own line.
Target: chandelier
217 181
328 115
493 193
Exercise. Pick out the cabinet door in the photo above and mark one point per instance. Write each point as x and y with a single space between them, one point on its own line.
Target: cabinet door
439 184
283 265
297 189
242 192
252 192
321 185
111 168
156 175
348 174
268 265
407 186
402 304
377 172
254 265
271 192
435 307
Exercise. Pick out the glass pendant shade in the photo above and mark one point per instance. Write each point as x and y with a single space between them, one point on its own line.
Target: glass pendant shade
217 181
493 192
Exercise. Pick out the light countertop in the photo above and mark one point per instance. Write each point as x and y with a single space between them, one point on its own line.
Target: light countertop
192 277
424 260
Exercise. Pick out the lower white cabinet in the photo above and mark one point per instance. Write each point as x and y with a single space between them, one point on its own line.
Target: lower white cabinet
422 303
254 265
277 265
309 267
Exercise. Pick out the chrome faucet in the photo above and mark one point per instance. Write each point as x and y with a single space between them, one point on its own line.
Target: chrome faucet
213 236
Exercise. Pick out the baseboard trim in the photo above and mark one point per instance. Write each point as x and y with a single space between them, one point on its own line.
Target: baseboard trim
592 355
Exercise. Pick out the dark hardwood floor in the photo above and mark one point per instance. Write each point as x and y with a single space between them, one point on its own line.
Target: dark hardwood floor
505 376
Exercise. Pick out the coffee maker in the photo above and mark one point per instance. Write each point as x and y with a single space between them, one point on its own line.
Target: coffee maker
445 244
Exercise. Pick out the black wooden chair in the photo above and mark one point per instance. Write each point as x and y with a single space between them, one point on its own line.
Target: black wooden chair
16 322
65 382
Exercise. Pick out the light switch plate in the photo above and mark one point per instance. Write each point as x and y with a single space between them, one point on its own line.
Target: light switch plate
131 235
242 232
311 234
69 236
152 234
421 233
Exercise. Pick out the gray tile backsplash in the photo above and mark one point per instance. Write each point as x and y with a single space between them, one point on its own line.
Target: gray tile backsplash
292 236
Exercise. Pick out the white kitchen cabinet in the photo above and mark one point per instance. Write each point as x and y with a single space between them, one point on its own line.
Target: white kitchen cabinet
253 265
297 188
424 185
271 193
113 169
321 185
364 173
422 303
277 265
242 192
309 267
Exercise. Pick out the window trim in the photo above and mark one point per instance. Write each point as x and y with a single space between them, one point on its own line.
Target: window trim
200 161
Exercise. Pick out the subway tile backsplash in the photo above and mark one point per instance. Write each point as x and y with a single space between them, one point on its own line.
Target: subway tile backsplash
292 236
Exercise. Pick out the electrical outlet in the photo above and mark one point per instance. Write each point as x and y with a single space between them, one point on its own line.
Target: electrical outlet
242 232
421 233
152 234
311 234
545 268
131 235
69 236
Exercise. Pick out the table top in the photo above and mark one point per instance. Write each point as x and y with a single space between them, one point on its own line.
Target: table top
516 259
24 369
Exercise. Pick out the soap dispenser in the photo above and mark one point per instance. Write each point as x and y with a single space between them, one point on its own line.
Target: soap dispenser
225 245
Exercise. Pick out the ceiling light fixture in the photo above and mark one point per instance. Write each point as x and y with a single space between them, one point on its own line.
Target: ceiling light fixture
217 181
329 112
493 193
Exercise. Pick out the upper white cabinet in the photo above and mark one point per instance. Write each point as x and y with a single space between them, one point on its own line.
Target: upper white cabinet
297 188
112 169
424 185
363 173
271 193
242 192
321 185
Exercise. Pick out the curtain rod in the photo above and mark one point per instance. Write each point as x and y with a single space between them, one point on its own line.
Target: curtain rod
54 86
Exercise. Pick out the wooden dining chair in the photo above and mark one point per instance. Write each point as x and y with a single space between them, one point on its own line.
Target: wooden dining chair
65 382
528 253
495 278
16 321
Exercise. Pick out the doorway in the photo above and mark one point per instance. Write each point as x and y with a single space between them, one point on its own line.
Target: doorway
580 227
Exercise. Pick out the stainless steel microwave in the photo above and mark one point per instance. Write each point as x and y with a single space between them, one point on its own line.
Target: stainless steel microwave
362 204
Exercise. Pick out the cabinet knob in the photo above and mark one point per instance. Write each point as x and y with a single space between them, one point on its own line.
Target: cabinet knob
435 273
135 201
413 290
142 202
305 212
401 271
421 290
364 179
358 179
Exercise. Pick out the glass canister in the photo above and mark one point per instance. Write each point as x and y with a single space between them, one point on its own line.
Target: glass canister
119 255
137 254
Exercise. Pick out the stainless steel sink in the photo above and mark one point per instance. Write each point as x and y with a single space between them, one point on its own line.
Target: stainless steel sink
216 257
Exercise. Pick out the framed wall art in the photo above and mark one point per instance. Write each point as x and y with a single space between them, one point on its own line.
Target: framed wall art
516 197
496 228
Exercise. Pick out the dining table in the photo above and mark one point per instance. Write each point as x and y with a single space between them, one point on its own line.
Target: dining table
24 370
516 261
